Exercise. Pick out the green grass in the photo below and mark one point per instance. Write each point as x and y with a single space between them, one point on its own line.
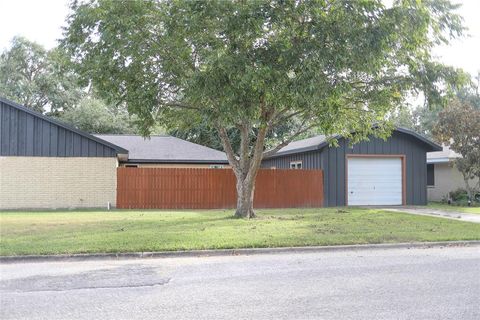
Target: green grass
59 232
444 206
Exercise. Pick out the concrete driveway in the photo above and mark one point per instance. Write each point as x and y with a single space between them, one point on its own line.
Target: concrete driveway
434 283
454 215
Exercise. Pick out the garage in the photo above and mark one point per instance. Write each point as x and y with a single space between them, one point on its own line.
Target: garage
375 171
374 180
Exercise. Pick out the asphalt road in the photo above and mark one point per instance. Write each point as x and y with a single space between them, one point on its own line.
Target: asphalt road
384 284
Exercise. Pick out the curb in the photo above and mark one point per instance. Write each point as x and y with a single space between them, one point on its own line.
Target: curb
232 252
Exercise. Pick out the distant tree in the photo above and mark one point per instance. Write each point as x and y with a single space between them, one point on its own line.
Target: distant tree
37 78
421 119
459 127
94 116
250 66
471 93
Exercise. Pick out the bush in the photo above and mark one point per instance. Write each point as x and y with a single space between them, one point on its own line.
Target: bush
459 195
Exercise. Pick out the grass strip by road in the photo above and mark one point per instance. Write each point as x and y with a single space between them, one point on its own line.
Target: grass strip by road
68 232
444 206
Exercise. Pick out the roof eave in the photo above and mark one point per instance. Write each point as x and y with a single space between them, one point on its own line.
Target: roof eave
440 160
180 161
434 146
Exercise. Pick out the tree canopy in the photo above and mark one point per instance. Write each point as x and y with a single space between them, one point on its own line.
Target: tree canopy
254 66
37 78
94 116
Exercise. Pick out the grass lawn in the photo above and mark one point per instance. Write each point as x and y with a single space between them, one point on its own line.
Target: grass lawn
123 231
444 206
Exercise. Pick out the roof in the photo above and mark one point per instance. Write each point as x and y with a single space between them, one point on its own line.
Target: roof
58 123
443 156
164 149
303 145
321 141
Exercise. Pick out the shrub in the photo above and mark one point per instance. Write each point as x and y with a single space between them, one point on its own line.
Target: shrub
459 195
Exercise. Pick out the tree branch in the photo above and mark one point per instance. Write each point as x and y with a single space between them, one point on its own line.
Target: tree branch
180 105
286 141
227 146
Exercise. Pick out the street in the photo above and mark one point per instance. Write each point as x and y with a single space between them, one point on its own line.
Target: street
435 283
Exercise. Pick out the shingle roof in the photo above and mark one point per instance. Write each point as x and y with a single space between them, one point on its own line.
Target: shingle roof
164 148
442 156
320 141
302 145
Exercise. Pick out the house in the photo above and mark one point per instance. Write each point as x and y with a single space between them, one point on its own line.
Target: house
442 174
374 172
45 163
166 151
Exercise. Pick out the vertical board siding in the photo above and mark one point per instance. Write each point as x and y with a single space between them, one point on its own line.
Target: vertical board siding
24 134
201 188
332 161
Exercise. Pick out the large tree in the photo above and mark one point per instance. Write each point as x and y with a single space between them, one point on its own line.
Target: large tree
252 66
37 78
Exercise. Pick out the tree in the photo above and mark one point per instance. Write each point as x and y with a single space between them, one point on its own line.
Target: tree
37 78
421 119
251 66
459 127
94 116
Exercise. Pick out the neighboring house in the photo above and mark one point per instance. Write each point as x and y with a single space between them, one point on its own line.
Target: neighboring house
375 172
166 151
442 174
47 164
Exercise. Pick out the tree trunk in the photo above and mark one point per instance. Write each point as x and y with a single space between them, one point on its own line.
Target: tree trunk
245 195
249 159
468 187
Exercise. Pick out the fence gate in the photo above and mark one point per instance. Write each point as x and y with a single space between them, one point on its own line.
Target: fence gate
204 188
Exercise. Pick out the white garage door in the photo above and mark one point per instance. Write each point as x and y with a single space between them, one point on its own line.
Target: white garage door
374 181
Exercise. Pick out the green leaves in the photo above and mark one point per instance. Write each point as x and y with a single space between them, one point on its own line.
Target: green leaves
37 78
93 116
337 66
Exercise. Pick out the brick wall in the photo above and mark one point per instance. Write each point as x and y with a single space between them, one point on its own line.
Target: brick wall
447 178
47 182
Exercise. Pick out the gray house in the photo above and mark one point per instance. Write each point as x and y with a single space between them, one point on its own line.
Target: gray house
45 163
375 172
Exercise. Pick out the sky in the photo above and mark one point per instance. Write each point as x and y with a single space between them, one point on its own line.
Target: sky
42 21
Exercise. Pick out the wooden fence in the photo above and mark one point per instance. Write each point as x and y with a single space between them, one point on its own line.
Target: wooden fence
198 188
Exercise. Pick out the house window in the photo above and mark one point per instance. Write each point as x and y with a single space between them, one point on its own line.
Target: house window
131 166
296 165
431 175
216 166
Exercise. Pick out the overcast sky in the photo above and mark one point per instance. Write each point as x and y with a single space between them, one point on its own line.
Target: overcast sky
41 21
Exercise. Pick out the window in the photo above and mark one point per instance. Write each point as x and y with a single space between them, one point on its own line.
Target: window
216 166
431 175
296 165
131 166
